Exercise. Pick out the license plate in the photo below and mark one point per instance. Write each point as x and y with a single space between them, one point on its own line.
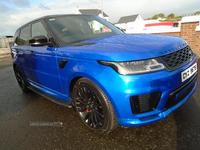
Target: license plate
189 72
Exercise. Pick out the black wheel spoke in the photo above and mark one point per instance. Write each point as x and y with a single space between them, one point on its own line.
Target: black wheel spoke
92 119
81 101
89 107
90 94
94 98
83 93
99 119
79 93
95 117
99 105
81 105
89 120
98 113
82 109
86 116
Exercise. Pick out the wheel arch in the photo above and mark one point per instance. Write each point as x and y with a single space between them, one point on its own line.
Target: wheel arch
77 77
72 83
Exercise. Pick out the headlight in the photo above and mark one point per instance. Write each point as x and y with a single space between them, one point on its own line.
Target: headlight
134 67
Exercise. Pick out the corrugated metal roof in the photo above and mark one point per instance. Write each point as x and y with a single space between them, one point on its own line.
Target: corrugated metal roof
92 11
128 19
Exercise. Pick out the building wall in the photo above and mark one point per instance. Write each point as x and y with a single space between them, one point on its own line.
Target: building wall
121 26
189 33
197 43
139 18
106 18
4 42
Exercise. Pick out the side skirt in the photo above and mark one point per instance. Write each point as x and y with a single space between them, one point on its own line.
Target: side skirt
53 99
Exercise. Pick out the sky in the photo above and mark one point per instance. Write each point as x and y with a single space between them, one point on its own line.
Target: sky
15 13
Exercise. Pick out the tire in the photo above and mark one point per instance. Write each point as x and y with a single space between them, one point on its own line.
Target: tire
93 107
23 84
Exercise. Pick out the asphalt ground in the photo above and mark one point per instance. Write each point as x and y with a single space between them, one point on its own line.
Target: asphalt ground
29 121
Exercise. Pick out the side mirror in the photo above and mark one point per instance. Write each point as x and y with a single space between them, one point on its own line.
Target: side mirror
39 40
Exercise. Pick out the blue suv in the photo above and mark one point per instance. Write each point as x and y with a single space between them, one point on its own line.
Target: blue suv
108 77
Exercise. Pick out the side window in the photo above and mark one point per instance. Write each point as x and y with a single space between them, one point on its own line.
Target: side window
38 29
24 36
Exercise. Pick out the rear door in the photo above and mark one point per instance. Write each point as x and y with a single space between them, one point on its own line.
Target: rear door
23 51
44 62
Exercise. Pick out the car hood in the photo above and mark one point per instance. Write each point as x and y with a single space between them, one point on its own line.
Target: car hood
124 47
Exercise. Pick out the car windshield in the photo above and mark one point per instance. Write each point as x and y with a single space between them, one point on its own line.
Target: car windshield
76 28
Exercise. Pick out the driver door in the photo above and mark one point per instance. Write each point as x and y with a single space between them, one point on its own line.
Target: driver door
43 61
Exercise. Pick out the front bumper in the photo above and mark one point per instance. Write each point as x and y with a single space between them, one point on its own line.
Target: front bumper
119 89
156 115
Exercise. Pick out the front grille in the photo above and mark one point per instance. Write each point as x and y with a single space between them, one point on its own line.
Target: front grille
178 59
144 103
183 91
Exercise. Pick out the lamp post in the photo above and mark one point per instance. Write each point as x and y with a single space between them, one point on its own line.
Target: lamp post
102 8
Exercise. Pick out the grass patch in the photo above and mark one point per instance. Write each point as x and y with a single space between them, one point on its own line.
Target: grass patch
172 19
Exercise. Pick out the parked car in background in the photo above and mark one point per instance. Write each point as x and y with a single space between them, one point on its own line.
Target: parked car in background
108 77
174 24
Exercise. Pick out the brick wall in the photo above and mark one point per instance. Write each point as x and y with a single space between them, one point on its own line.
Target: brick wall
189 34
197 43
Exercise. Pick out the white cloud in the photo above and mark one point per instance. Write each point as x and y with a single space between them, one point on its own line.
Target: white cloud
148 8
13 17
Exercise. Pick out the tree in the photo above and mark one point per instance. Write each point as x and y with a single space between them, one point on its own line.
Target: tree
171 16
155 17
161 15
197 13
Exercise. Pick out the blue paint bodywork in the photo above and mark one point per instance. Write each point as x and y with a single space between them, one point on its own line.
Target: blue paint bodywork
42 71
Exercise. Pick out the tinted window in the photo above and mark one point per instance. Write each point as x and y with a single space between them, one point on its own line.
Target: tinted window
38 29
24 36
175 25
71 29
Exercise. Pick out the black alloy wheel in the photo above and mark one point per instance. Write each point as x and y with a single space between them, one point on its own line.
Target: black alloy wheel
93 107
90 107
23 84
